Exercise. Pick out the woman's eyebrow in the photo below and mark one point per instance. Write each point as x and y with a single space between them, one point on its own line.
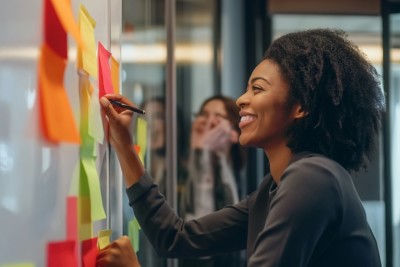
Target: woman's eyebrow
260 78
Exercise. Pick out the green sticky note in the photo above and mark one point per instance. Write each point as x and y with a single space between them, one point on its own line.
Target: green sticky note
141 135
96 201
22 264
133 233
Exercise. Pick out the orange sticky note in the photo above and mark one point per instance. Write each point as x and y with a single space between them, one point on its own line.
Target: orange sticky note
54 34
115 74
62 254
105 84
89 252
56 116
66 16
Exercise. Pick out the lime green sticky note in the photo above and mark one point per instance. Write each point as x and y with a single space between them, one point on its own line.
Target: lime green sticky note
141 135
95 120
96 201
88 55
74 186
22 264
133 233
103 238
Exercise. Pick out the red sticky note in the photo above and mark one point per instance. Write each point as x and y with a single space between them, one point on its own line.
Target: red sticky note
89 252
72 218
54 34
105 81
62 254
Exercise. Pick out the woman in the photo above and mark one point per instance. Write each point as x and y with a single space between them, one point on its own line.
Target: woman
215 162
313 104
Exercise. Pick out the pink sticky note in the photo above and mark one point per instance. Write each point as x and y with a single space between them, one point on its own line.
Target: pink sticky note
105 81
89 252
54 34
72 218
62 254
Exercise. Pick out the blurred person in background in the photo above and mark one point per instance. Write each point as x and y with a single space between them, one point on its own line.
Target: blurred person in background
214 168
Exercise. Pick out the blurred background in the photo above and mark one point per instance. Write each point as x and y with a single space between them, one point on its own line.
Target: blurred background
184 51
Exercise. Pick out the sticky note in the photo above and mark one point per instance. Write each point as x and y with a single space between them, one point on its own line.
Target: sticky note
89 252
87 148
104 238
86 58
66 17
85 222
56 117
62 254
54 34
72 218
95 118
22 264
105 83
141 135
133 233
89 173
115 74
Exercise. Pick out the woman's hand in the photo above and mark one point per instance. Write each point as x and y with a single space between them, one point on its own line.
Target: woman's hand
119 119
119 253
215 135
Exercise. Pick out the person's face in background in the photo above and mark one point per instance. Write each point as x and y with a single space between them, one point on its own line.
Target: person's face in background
155 114
264 111
212 112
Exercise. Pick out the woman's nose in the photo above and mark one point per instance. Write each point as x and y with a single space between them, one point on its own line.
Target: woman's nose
242 100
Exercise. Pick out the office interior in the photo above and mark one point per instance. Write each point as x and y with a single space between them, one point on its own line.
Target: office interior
187 50
179 51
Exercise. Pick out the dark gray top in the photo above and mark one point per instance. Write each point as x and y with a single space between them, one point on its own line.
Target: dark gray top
314 217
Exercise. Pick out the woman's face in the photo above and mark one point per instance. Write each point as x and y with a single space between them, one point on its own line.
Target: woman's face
213 111
264 112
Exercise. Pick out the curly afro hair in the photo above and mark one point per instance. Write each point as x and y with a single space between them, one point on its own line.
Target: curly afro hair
337 88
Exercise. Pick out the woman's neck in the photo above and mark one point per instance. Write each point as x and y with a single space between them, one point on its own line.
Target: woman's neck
279 158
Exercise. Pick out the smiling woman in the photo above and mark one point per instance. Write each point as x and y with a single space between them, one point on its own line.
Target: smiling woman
313 104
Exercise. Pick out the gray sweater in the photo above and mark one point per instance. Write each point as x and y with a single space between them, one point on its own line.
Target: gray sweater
314 217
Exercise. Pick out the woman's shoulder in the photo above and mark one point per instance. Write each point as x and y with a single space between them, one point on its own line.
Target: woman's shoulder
316 169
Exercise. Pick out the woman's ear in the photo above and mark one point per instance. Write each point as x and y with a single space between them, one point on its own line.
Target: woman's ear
299 112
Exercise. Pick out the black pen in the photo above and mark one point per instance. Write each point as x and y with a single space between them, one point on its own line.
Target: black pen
125 106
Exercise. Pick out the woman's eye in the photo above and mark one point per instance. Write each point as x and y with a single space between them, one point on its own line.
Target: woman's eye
257 89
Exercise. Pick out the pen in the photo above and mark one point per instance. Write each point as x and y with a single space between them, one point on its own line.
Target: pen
125 106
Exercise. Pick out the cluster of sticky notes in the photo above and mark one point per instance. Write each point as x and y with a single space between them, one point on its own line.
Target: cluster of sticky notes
98 74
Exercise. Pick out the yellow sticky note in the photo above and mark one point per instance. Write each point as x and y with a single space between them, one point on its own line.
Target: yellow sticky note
141 133
96 203
86 59
84 221
115 74
22 264
103 238
133 233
